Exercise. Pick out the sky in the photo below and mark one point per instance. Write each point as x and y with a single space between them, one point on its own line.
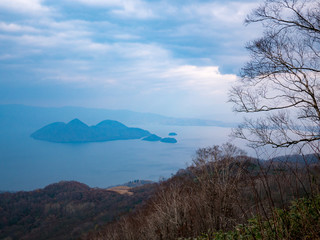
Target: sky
172 57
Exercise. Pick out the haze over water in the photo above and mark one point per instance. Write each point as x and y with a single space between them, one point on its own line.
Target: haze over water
27 164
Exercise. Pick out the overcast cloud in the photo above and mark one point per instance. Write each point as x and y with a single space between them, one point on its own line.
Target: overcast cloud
175 58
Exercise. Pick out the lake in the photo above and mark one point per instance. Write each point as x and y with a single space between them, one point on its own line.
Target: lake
28 164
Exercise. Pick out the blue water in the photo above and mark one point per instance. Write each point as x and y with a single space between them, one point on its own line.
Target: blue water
27 164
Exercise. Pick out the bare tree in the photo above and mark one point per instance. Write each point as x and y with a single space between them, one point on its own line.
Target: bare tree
282 79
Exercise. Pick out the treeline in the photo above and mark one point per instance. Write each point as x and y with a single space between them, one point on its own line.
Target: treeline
300 221
220 190
64 210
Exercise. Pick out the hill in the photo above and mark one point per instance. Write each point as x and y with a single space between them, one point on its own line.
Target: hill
64 210
78 132
225 194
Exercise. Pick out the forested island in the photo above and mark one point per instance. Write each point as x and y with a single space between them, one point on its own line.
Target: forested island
108 130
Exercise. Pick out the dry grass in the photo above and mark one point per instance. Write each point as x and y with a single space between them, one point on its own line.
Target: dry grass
121 190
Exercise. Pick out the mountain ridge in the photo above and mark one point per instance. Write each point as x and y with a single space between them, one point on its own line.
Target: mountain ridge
18 115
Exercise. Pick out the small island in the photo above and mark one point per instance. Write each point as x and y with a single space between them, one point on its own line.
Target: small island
78 132
155 138
168 140
152 138
172 134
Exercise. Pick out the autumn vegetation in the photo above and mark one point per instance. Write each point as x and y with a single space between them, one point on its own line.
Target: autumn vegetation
220 190
64 210
223 194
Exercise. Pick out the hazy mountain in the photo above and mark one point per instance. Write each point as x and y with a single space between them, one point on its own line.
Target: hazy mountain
21 116
300 159
77 131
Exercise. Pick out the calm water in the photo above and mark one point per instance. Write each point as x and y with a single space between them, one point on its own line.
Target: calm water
27 164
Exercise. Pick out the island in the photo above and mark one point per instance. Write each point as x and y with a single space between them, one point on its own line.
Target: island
155 138
168 140
152 138
172 134
78 132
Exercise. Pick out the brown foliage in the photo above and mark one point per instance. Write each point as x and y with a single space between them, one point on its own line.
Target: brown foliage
222 188
64 210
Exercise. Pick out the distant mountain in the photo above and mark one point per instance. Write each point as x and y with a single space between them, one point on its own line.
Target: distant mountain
133 184
76 132
300 159
137 183
28 118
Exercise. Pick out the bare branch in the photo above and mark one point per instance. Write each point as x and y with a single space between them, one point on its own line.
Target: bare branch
283 76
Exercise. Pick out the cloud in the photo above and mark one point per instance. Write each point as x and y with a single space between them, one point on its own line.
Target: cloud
169 88
122 8
101 3
226 13
126 36
6 56
12 27
213 18
153 54
206 79
27 7
135 9
160 75
62 37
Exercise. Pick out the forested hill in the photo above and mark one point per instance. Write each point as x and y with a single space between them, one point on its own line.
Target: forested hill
223 195
63 210
77 131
